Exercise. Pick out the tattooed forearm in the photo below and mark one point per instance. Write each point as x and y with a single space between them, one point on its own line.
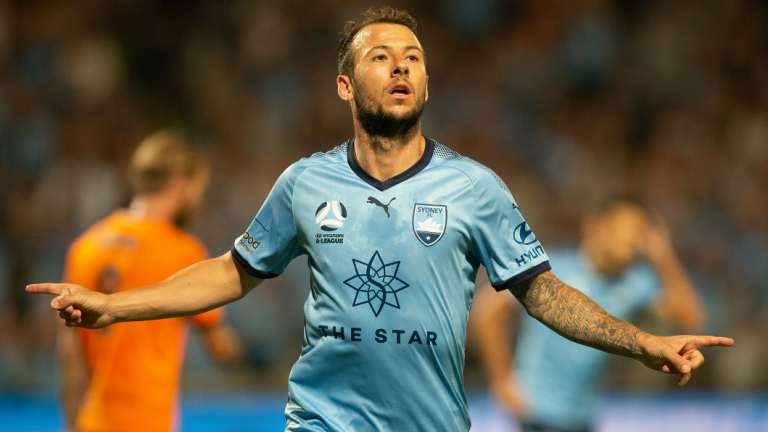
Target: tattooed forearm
574 316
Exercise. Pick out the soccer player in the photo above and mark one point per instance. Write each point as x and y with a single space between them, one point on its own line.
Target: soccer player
395 226
626 264
126 377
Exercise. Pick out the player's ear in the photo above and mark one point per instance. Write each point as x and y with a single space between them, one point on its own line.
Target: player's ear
344 88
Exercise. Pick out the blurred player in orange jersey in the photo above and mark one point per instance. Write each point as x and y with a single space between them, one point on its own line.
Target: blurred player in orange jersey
126 378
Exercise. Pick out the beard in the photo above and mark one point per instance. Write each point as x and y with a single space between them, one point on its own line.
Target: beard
378 123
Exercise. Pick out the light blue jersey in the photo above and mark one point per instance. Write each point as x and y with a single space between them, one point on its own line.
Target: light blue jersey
559 378
392 268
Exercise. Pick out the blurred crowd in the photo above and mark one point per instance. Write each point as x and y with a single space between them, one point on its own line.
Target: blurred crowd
570 102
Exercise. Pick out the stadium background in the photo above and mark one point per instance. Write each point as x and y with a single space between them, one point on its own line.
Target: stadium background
569 101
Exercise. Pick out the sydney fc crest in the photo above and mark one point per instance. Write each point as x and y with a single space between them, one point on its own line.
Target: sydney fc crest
429 221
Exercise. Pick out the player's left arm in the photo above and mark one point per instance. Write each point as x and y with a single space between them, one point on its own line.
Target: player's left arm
575 316
219 338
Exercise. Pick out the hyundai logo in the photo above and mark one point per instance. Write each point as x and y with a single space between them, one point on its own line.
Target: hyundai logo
523 234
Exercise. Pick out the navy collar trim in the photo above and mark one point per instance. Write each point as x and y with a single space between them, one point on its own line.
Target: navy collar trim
426 157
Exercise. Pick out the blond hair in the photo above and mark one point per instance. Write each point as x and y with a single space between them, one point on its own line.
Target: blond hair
160 157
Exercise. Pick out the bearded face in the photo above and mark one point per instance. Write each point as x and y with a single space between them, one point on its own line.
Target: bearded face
388 86
379 120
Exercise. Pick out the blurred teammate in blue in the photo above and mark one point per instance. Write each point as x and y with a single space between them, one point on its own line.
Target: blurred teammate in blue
395 227
626 264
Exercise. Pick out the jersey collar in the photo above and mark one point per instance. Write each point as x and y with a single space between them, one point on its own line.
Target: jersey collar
426 157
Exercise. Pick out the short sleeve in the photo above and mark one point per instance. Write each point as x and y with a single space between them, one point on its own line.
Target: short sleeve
503 241
271 240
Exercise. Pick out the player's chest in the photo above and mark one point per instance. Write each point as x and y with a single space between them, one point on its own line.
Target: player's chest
415 219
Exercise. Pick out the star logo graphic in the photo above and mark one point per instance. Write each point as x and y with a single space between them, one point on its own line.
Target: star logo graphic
376 283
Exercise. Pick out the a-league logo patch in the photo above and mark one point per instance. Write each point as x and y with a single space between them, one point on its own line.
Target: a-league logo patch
429 221
330 215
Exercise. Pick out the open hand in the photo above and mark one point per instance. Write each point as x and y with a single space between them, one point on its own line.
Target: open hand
678 354
77 306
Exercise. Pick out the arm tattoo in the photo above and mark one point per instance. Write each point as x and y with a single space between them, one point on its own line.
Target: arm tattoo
575 316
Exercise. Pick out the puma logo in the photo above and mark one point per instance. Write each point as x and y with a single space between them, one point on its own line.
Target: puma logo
374 201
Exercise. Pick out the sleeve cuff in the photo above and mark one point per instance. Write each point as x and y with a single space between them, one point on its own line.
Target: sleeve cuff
516 280
245 265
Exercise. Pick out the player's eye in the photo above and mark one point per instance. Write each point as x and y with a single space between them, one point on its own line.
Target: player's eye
380 57
414 58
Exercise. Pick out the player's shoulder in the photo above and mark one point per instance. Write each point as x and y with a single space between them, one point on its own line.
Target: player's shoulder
477 173
95 232
87 248
335 157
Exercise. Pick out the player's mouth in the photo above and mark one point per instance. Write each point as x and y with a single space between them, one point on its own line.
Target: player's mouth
399 91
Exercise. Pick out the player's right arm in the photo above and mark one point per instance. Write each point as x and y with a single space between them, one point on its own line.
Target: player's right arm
195 289
491 319
262 251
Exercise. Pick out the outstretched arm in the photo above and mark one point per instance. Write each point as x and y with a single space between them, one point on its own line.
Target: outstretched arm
574 316
195 289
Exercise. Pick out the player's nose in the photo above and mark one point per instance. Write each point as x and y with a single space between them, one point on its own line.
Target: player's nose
400 68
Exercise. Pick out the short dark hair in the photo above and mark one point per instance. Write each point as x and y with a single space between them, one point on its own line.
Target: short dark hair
385 14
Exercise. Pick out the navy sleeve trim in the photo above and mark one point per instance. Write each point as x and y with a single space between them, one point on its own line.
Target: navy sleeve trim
515 281
245 265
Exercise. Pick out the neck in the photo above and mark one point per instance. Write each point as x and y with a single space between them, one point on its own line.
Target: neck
383 158
155 207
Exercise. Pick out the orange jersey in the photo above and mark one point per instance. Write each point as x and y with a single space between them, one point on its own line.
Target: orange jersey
135 367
